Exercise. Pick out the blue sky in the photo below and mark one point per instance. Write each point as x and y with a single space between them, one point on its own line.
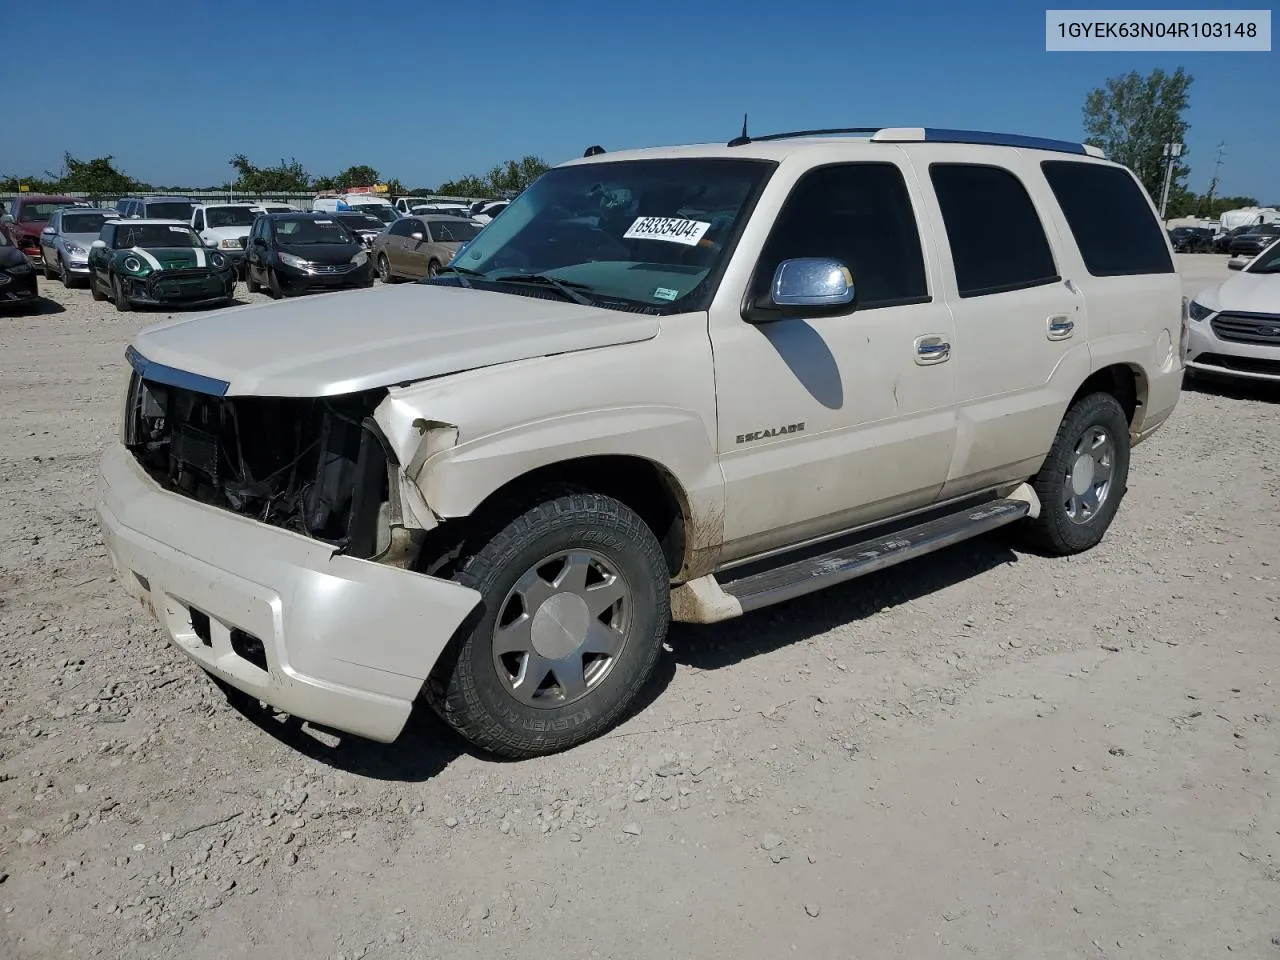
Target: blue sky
426 92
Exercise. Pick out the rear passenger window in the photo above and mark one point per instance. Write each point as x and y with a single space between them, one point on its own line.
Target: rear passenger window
860 214
1110 218
997 241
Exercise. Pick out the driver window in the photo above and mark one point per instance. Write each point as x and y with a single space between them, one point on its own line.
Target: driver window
198 223
861 215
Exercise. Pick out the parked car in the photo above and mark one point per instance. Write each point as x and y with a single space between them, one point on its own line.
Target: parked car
449 209
1235 326
365 226
28 218
404 205
292 253
1254 240
65 242
494 489
274 208
1191 239
416 247
157 208
225 227
1222 241
489 211
18 285
155 262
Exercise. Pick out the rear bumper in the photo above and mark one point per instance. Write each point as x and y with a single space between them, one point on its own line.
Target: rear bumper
347 643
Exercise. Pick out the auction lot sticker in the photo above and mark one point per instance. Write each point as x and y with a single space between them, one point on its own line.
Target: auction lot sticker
671 229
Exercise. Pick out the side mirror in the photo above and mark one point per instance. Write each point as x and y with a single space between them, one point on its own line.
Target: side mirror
49 231
1235 264
7 218
811 282
416 236
98 245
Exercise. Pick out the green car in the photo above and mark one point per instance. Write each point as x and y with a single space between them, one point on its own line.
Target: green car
157 262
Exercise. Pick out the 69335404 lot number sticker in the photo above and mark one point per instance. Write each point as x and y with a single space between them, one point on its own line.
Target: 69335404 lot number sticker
671 229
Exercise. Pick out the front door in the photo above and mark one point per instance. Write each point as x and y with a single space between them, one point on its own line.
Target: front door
831 422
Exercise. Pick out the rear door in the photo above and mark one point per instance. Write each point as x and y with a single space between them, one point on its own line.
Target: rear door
1021 344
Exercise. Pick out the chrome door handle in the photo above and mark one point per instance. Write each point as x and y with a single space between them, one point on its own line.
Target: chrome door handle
1060 328
932 349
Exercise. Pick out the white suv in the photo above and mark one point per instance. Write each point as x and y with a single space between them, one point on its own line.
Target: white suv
674 383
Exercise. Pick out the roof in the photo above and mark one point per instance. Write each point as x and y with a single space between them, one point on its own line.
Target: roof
150 221
777 147
46 198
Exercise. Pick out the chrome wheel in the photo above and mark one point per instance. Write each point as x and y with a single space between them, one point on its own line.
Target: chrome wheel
1089 474
384 269
561 629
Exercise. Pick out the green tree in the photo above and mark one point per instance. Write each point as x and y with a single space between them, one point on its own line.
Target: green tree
1133 116
97 177
285 177
469 186
504 179
358 176
12 183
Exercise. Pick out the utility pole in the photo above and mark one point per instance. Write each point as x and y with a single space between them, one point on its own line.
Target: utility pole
1213 184
1170 153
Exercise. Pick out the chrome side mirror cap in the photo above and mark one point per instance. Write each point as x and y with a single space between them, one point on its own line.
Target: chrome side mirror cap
812 282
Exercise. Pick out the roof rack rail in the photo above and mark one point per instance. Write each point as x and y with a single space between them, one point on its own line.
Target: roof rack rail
936 135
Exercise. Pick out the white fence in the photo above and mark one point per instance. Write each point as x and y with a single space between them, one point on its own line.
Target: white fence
301 201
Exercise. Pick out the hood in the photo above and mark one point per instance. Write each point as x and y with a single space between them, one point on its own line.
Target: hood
338 343
82 240
11 257
172 258
326 253
1245 293
227 233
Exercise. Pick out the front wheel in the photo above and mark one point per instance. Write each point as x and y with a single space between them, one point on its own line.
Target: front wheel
433 268
576 603
48 271
67 281
95 289
118 295
384 268
1083 478
250 284
274 285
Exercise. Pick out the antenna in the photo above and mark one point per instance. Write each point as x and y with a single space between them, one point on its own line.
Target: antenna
744 139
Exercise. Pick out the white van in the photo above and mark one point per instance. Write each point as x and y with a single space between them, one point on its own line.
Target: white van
371 203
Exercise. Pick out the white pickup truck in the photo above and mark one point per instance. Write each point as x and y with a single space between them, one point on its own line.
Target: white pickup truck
225 228
673 383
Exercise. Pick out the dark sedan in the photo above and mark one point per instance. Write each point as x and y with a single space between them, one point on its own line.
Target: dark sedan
1191 239
17 276
1254 240
292 253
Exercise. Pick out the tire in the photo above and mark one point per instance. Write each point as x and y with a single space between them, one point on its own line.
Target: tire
384 269
117 295
250 284
1067 524
68 282
433 268
274 285
494 700
94 289
44 265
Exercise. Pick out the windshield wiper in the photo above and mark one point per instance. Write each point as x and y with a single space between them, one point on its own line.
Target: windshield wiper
568 288
462 272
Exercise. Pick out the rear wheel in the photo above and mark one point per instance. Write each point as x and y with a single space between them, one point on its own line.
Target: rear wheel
118 296
576 603
1083 479
384 268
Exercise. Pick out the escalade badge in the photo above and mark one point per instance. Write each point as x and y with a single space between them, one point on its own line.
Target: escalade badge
771 432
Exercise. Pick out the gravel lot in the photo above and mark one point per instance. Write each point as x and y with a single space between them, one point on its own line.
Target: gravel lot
983 753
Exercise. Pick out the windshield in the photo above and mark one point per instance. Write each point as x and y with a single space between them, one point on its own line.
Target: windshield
170 209
652 232
155 235
452 231
1264 230
360 221
84 222
379 210
229 216
39 212
1268 261
306 230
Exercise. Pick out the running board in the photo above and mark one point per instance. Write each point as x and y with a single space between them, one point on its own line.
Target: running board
795 579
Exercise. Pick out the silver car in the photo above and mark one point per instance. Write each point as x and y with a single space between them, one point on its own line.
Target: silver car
65 242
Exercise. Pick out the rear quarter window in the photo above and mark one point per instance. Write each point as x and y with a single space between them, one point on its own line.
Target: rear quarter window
1110 218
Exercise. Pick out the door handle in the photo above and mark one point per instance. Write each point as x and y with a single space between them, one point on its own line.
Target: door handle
1059 328
932 349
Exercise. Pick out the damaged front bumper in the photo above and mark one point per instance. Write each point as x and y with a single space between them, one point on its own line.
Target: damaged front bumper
342 642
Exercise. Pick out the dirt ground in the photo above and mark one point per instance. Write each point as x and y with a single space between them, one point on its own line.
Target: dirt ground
984 753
